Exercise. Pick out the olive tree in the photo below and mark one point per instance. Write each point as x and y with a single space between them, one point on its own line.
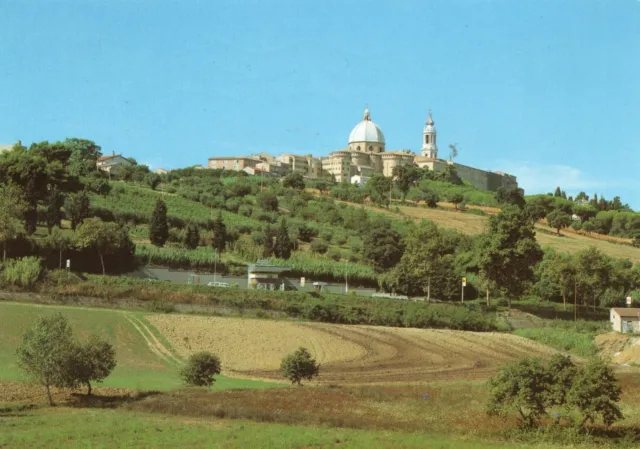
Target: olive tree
103 237
299 365
200 369
45 351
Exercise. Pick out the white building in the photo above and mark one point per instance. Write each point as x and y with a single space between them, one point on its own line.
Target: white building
625 320
113 163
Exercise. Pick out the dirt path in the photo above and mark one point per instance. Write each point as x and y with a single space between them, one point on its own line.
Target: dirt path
155 345
347 354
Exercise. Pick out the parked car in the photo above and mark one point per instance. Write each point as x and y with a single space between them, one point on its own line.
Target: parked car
218 284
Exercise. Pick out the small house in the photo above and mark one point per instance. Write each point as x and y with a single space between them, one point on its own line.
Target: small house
625 320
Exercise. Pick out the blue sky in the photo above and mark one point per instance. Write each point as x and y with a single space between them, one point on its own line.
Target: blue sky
546 90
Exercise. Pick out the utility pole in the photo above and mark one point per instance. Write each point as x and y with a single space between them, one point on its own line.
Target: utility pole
346 273
215 260
575 300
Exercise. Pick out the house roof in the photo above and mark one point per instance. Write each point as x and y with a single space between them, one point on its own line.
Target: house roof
634 312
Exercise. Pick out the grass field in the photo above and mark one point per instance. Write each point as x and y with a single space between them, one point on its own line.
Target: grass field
71 428
145 361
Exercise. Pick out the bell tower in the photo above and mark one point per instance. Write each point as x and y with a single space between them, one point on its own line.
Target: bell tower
429 134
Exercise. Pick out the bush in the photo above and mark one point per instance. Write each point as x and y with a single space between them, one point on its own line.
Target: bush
23 272
298 366
200 369
318 246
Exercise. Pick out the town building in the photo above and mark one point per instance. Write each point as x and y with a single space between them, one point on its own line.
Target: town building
625 320
365 155
112 164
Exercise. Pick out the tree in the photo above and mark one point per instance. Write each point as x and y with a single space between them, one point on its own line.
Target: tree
76 208
379 188
283 244
456 199
60 242
267 200
11 208
585 211
453 151
220 236
427 267
521 386
431 200
45 350
104 237
562 372
200 369
53 215
557 193
83 157
294 181
406 176
594 392
511 195
508 251
298 366
91 362
192 236
557 220
382 246
152 180
267 249
158 227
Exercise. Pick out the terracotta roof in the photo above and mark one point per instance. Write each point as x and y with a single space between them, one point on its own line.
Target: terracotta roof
106 158
627 311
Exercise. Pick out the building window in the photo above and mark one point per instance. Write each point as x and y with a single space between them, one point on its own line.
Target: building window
358 148
370 148
426 139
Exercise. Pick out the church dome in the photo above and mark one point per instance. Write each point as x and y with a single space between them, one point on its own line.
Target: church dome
366 131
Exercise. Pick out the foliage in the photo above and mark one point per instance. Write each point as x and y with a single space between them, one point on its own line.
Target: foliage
318 246
267 200
92 361
379 188
23 272
192 236
510 196
45 350
520 386
283 244
558 219
104 238
299 366
200 369
405 177
508 251
76 208
594 392
294 181
11 208
382 246
220 235
158 227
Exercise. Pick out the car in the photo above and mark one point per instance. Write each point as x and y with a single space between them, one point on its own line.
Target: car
218 284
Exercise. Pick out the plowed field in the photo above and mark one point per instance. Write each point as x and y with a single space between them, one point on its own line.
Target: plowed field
347 354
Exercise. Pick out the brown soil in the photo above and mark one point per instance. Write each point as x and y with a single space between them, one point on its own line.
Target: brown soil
347 354
619 348
18 392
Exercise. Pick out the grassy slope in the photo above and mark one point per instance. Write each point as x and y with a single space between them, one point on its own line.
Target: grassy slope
138 367
75 428
568 242
578 343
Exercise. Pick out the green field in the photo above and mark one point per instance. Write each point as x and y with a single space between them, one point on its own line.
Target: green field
81 428
139 367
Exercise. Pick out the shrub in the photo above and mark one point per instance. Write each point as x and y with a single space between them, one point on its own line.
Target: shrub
298 366
23 272
200 369
318 246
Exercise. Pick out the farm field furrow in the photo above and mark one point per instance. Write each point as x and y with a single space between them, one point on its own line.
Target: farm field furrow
346 353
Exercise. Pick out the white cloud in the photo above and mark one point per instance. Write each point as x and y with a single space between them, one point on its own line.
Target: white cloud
535 177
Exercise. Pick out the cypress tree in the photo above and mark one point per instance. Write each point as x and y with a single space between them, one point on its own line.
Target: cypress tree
220 236
192 236
267 250
158 228
283 245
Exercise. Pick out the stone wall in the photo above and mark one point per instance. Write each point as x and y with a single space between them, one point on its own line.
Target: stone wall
484 180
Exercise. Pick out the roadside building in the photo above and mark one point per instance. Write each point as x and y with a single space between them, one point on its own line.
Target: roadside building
625 320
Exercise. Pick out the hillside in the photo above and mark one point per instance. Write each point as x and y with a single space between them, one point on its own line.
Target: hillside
472 223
